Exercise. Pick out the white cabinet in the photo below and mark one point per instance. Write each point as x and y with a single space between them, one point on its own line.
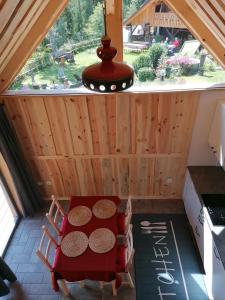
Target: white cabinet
217 133
198 217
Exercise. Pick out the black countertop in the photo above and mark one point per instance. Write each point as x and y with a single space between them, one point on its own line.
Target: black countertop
211 180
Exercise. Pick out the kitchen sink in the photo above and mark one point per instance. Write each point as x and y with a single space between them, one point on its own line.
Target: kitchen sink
215 204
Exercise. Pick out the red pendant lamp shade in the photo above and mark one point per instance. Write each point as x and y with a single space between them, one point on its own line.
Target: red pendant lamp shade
107 76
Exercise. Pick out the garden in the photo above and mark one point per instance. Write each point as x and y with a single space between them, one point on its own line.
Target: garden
152 67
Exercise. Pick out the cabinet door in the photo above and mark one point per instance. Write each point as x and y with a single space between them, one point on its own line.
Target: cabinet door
217 132
191 201
218 281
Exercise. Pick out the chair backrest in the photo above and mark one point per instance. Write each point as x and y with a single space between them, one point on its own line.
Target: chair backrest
128 212
47 244
55 215
130 245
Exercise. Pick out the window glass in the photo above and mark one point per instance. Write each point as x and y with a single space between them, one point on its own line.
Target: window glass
161 49
67 49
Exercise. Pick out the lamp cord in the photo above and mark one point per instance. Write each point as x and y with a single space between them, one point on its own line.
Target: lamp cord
104 15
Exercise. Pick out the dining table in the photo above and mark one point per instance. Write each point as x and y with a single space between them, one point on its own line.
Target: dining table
89 265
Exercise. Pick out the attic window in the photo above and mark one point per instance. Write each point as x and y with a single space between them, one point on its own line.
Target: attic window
161 49
66 50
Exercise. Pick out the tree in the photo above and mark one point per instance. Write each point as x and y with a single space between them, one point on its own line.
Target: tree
95 23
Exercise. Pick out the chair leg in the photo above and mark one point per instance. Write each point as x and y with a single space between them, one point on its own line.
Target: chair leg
130 280
101 284
81 283
114 288
64 287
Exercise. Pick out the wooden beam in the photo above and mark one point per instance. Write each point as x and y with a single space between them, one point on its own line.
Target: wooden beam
115 26
31 41
199 29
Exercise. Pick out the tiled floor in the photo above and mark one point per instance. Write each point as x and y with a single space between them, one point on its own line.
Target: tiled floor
34 279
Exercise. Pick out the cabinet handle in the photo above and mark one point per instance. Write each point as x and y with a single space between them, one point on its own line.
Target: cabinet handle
216 253
196 230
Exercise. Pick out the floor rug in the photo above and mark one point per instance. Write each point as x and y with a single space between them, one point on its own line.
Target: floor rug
167 264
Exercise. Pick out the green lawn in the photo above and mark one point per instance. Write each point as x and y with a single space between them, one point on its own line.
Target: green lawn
88 57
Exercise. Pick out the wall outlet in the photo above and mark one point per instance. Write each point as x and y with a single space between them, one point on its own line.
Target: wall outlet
169 180
48 183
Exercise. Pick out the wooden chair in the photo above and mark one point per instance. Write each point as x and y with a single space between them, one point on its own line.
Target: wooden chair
124 260
56 216
125 218
125 256
47 244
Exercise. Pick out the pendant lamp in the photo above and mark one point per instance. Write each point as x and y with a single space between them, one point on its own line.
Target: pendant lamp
107 76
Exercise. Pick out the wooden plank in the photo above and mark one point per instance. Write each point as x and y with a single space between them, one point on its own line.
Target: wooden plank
57 116
40 126
69 176
98 177
111 121
79 124
107 176
124 176
16 109
114 16
199 29
123 124
209 18
31 41
86 176
6 11
21 31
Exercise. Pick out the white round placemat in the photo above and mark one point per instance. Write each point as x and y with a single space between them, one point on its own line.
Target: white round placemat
104 209
74 243
79 215
102 240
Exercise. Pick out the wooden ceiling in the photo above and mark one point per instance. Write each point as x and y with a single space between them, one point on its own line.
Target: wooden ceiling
23 24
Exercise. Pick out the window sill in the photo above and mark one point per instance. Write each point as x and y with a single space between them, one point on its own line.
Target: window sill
133 89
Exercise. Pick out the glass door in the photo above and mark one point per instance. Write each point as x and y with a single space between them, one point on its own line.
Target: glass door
8 216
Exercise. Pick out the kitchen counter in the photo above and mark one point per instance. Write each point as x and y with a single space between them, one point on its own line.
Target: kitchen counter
211 180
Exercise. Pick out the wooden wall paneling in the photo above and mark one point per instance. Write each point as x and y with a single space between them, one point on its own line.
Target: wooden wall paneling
86 176
123 124
40 176
58 120
116 144
124 176
99 124
140 123
183 115
163 118
142 174
107 176
111 118
68 172
17 112
79 124
40 126
98 176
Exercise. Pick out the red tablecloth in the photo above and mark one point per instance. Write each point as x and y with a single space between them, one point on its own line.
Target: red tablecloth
89 265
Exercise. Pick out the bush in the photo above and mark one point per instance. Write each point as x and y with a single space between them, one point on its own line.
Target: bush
209 66
145 74
155 52
189 66
142 61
